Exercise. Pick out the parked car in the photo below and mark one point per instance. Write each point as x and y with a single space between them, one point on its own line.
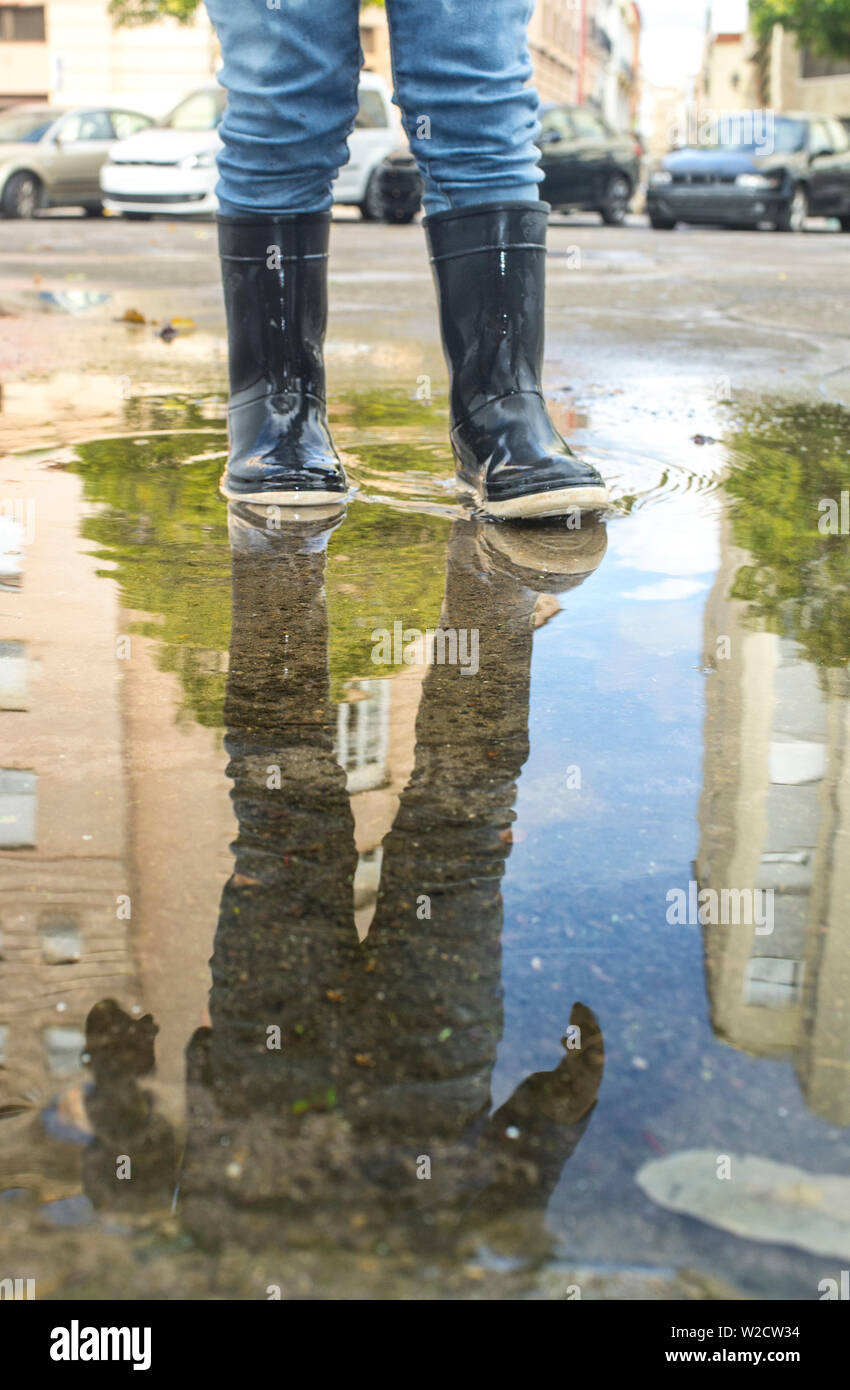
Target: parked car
397 187
171 168
586 165
802 167
50 157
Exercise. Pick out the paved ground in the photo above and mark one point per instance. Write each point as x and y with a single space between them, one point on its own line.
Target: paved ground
669 318
656 342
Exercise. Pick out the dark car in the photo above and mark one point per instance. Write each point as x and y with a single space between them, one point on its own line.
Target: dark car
396 188
797 167
585 164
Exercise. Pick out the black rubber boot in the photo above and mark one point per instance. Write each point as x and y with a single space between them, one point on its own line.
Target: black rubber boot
489 265
274 274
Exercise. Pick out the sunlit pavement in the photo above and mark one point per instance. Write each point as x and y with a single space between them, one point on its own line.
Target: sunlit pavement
518 847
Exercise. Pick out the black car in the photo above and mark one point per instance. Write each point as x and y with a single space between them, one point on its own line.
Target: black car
585 164
396 190
799 165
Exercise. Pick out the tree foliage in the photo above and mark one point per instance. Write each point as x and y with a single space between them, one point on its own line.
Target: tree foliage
822 26
785 464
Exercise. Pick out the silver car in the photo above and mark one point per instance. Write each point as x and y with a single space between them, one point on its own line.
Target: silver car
51 157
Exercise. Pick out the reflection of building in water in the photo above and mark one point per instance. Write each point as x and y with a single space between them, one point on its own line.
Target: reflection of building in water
103 796
63 804
775 813
375 742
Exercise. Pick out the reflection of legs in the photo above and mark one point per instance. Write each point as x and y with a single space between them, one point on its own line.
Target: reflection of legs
440 973
286 934
291 70
286 952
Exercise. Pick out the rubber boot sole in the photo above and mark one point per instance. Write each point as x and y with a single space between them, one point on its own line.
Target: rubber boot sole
536 505
292 498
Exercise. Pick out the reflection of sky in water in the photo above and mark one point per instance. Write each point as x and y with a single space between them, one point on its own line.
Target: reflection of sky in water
617 691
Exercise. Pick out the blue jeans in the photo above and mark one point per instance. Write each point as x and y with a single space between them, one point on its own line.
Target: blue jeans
291 71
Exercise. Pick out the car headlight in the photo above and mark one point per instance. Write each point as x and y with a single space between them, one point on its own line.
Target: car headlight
756 181
661 176
197 161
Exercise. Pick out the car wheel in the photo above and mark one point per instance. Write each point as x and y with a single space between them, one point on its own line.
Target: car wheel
845 224
22 195
793 216
662 224
400 217
137 216
372 208
616 201
93 209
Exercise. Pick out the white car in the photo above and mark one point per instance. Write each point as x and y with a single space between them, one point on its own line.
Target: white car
171 167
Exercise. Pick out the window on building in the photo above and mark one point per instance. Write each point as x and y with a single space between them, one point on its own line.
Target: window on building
17 808
61 941
63 1048
771 982
21 24
812 66
14 669
362 735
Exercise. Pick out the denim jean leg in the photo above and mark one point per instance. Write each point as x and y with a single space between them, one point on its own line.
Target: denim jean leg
460 71
290 71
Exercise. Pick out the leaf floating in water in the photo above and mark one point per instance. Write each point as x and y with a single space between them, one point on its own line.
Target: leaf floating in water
761 1200
132 316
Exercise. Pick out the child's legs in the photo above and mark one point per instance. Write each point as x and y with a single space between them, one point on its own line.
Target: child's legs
460 69
290 70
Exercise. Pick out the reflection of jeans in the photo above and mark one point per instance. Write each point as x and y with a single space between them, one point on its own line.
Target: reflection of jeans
291 71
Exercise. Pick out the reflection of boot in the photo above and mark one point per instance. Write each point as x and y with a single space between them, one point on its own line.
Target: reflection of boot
545 557
530 1138
274 274
489 265
130 1138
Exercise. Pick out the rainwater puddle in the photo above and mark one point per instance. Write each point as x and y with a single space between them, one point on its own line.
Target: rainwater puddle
442 802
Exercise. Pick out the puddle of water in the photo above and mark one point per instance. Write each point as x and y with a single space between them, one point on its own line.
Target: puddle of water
423 790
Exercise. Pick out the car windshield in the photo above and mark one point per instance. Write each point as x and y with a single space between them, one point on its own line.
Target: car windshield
27 125
759 132
200 111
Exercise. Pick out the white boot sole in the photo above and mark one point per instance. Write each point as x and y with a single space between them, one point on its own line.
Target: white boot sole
293 499
543 504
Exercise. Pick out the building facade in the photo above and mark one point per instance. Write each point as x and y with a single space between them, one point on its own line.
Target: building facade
739 74
584 52
68 51
795 80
